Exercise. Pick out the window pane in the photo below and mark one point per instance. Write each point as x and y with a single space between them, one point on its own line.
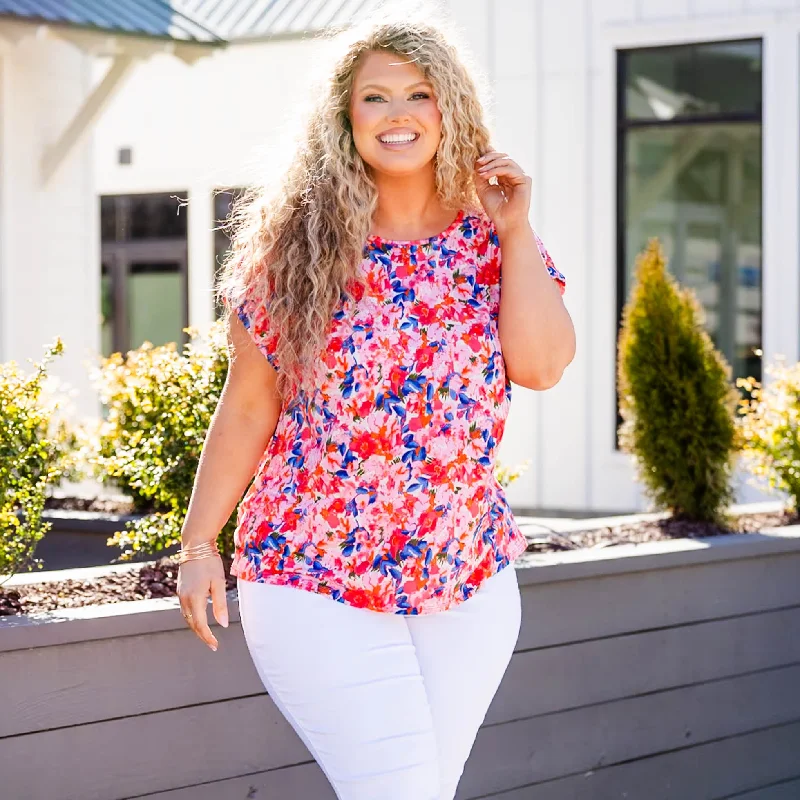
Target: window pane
666 83
698 188
108 219
106 312
157 216
155 304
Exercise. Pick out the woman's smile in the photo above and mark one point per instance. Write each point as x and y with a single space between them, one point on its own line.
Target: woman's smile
394 113
398 138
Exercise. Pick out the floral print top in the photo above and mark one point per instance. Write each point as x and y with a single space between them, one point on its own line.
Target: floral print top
379 491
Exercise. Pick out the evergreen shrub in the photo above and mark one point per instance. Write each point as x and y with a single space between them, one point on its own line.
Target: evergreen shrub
677 399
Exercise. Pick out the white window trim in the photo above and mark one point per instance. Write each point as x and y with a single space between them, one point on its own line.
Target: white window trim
780 33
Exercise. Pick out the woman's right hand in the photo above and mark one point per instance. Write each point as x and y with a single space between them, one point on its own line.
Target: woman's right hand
196 580
241 427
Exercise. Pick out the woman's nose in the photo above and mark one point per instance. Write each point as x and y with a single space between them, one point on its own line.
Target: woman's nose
398 110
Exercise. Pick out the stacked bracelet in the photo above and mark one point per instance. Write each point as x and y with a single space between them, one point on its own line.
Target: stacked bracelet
195 551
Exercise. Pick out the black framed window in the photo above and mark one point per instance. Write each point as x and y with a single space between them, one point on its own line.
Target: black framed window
223 203
689 170
144 286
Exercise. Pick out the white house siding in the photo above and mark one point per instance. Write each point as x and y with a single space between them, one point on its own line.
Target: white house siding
48 233
552 65
202 127
551 68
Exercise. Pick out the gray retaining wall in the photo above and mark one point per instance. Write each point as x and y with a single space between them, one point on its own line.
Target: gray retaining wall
666 671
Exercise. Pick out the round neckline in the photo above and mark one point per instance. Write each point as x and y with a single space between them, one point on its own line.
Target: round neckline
375 238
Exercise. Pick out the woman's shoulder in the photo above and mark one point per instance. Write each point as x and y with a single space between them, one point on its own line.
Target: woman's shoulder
477 231
478 219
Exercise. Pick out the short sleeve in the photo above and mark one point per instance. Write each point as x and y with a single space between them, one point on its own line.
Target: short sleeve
255 319
557 276
493 251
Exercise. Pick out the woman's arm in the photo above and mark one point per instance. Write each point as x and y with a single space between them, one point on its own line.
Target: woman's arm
537 336
241 427
536 331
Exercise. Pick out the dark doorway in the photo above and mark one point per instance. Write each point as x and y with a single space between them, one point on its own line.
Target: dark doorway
144 271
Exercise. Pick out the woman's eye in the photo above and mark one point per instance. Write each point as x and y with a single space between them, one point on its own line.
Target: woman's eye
372 98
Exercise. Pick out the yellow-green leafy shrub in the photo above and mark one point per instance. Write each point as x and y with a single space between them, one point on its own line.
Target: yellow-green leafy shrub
677 399
159 404
770 427
507 475
36 452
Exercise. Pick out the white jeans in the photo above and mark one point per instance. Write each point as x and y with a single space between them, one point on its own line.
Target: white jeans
387 704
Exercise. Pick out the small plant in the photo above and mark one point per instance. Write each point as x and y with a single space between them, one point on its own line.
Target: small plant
36 452
507 475
677 400
159 406
770 427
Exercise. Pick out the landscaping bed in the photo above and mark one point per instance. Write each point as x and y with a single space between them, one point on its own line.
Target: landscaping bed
158 578
654 530
668 665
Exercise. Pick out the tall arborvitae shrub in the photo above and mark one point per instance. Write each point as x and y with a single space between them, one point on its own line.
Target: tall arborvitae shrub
677 399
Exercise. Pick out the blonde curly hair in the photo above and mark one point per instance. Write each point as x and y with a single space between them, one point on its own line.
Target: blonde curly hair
297 246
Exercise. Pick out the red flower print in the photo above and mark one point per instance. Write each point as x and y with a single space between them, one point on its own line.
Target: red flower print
356 597
333 512
489 273
365 444
427 522
362 567
363 407
436 472
405 268
425 314
356 289
394 437
397 542
413 586
472 340
415 424
424 358
397 377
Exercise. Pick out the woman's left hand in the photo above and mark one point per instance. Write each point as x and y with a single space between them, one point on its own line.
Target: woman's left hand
508 202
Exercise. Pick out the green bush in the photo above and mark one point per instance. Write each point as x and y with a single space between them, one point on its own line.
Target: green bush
159 404
676 396
36 452
770 428
507 475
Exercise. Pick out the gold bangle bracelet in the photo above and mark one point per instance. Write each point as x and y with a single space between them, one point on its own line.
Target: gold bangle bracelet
184 559
202 550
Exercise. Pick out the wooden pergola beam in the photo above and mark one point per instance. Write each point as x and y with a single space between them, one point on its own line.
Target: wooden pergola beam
81 124
125 51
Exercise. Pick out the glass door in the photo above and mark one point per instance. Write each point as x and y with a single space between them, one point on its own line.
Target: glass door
144 273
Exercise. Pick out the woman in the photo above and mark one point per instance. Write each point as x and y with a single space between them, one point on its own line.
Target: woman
371 360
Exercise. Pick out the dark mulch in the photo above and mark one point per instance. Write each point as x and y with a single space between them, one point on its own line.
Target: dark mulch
545 541
159 579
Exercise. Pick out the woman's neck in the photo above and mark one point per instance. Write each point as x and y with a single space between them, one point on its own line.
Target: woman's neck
409 207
